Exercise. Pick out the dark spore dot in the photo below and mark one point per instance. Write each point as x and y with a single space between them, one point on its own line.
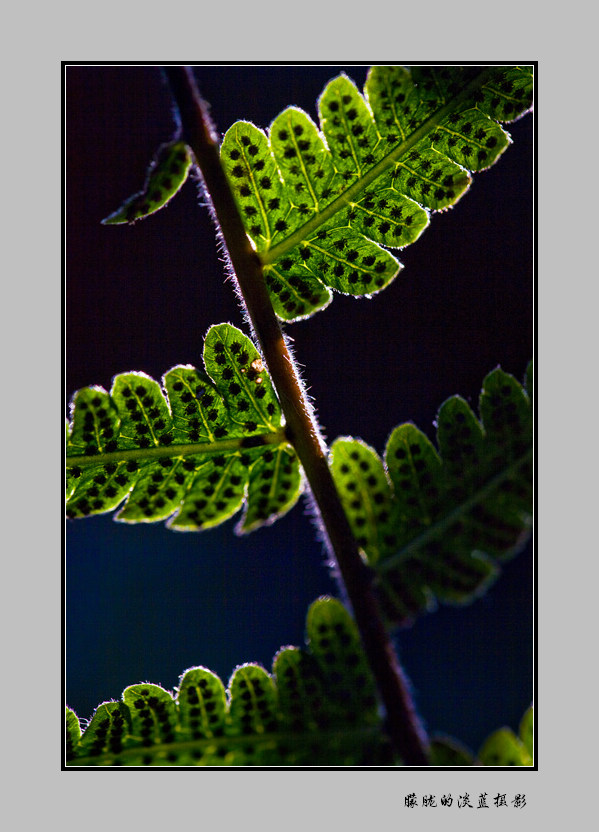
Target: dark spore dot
266 182
245 190
220 432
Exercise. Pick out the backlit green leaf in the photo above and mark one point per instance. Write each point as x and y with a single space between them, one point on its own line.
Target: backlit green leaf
503 748
435 524
312 710
164 179
193 450
323 203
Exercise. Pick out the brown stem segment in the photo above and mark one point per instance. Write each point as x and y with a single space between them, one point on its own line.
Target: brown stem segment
405 731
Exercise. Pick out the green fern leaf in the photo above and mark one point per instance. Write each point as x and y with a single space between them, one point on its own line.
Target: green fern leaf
72 734
501 749
504 748
318 707
436 523
322 206
195 449
164 179
526 731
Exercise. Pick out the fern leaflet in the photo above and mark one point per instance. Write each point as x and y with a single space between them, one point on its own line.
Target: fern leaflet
317 707
165 177
434 523
503 748
322 207
193 450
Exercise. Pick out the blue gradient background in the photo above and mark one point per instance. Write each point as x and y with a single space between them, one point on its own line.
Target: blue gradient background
143 603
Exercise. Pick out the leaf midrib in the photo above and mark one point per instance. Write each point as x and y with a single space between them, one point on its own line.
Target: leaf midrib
293 739
444 523
273 254
188 449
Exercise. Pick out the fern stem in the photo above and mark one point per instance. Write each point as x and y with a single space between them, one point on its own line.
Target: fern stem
405 730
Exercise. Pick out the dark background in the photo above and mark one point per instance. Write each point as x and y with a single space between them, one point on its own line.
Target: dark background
144 603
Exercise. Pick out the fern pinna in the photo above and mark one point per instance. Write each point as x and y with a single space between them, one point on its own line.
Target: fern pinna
195 449
322 207
435 525
318 707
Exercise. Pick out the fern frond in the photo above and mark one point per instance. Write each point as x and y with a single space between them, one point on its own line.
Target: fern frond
323 204
194 449
317 707
165 177
435 523
503 748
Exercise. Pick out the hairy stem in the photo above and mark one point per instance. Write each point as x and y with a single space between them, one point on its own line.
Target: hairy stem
405 731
